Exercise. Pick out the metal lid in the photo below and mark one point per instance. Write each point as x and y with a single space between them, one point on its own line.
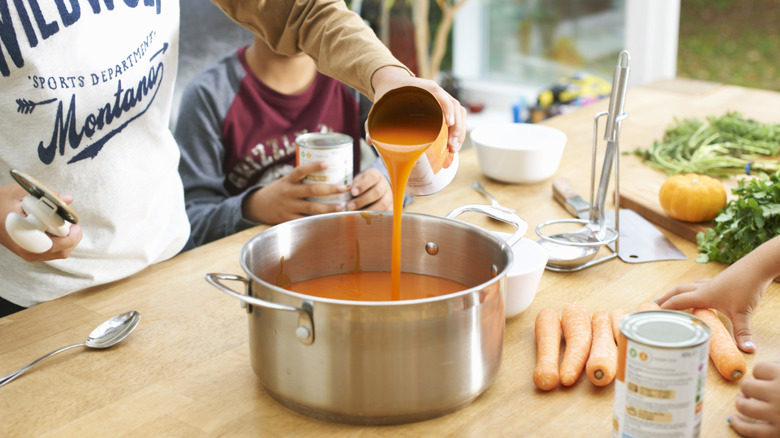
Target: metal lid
665 328
323 139
38 190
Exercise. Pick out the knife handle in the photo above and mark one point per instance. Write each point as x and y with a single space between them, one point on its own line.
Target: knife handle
570 200
562 189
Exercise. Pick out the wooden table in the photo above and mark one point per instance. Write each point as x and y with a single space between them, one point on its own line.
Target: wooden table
185 370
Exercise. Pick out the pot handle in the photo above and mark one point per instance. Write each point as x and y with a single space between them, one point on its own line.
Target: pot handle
305 330
499 213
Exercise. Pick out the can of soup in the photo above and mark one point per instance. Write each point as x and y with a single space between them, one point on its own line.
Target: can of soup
333 148
662 366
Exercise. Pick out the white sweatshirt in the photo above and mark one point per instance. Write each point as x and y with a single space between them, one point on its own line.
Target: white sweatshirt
86 99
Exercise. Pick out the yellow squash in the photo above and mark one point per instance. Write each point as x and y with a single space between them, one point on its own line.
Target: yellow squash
692 197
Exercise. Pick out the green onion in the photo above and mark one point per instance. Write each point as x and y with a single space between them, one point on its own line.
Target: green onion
719 147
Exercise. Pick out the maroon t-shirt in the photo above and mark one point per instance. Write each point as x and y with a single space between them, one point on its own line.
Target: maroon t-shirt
261 124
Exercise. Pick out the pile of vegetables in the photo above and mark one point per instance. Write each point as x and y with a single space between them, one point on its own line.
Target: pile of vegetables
719 147
745 223
591 345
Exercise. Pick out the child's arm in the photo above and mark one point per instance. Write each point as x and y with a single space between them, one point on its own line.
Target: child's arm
736 291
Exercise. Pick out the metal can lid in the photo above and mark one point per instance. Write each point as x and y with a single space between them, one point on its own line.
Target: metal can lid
323 139
665 328
36 189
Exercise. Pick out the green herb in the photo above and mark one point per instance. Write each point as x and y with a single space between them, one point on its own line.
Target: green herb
719 147
745 222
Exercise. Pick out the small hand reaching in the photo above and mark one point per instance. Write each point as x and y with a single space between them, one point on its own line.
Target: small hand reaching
736 291
371 191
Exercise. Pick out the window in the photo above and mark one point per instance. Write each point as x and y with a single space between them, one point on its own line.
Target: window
505 50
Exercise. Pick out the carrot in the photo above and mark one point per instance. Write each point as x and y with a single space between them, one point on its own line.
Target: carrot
616 315
548 349
723 350
577 332
602 361
648 305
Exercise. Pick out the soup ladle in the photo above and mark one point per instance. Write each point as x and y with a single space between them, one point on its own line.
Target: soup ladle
104 336
580 248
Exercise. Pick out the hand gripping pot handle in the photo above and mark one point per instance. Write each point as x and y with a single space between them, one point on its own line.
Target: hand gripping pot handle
496 212
305 330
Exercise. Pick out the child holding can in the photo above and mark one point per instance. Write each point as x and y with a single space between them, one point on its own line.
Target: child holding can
237 127
737 292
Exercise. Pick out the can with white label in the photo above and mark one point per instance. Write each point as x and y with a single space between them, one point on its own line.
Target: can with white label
403 120
662 366
333 148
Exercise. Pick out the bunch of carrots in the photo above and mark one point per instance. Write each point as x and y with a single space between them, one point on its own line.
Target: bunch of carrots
591 345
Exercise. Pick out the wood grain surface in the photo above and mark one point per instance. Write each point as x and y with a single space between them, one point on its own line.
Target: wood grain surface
186 370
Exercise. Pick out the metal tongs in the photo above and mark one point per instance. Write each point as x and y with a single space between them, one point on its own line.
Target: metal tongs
595 232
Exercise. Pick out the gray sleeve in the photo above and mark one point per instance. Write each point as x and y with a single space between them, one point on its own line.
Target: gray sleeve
212 212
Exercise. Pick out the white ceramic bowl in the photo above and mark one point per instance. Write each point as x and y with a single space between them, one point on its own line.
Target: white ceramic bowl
524 274
518 152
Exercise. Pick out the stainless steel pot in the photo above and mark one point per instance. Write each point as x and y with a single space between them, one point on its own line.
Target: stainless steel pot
376 362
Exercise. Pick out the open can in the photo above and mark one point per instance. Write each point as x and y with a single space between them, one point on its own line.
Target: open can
333 148
412 117
662 366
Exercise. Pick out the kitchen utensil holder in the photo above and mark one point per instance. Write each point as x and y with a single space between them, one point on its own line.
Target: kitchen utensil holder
613 234
596 219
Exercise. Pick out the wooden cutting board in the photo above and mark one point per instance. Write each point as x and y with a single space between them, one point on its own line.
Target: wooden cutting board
639 187
645 203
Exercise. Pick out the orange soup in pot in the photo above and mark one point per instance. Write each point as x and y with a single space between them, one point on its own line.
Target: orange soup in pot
375 286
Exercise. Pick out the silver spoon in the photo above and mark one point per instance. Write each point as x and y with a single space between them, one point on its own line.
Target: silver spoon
104 336
476 185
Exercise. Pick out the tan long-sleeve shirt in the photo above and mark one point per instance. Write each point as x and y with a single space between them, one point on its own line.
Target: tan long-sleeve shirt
338 40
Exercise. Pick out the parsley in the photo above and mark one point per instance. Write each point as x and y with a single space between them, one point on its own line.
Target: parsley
745 222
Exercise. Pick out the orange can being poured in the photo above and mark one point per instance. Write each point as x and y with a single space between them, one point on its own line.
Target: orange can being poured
409 120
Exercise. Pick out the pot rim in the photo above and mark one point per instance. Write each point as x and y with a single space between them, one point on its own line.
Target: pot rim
502 244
